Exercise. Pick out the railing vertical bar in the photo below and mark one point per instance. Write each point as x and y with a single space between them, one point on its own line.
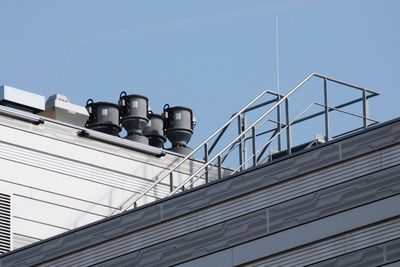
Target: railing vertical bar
253 133
326 110
288 131
278 118
219 167
206 160
244 125
240 141
365 111
171 182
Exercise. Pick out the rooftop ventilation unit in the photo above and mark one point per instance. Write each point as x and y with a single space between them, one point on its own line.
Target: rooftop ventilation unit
20 99
154 130
179 123
133 112
59 108
103 117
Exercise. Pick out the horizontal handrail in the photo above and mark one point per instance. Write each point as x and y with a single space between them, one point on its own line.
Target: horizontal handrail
243 133
277 104
344 112
345 83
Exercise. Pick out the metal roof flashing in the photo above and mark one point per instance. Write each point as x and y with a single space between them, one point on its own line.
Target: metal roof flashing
30 101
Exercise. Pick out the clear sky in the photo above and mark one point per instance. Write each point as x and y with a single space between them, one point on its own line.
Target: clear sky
211 55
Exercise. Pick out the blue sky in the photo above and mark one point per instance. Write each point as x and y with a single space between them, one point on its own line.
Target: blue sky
212 56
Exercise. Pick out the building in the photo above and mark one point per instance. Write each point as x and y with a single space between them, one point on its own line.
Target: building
331 202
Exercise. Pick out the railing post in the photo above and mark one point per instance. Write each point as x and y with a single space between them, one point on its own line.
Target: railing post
253 134
288 129
206 160
365 109
278 118
219 167
171 182
240 142
244 126
326 109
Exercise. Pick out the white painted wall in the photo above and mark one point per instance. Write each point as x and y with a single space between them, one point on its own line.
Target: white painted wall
60 181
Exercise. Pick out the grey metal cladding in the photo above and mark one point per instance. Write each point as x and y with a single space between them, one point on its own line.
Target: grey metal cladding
87 235
300 210
370 140
234 208
128 243
193 244
371 256
393 251
192 201
321 240
318 240
392 264
340 197
274 172
278 193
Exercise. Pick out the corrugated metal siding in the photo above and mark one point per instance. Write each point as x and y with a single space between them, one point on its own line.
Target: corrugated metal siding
235 208
5 223
291 189
76 169
333 247
342 180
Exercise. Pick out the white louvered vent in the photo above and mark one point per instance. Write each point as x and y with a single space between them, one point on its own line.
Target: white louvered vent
5 223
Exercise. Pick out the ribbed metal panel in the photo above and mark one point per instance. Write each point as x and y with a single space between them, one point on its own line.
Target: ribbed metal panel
334 247
231 209
5 223
128 243
390 156
78 169
175 231
285 191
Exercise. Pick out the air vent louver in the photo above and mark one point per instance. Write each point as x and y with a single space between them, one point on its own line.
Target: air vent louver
5 223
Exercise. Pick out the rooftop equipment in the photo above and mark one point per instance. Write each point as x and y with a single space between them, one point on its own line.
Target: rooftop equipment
103 117
178 123
20 99
133 112
59 108
154 130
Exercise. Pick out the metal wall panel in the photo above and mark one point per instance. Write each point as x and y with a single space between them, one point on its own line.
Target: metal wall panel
277 174
299 250
268 221
371 256
291 189
367 188
343 244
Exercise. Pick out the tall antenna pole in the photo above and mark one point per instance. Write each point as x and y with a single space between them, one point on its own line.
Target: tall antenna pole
277 82
277 54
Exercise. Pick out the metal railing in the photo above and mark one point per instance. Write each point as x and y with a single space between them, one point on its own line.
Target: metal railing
249 133
203 146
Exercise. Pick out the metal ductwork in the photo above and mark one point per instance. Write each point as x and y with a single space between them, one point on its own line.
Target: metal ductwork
103 117
178 124
133 112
